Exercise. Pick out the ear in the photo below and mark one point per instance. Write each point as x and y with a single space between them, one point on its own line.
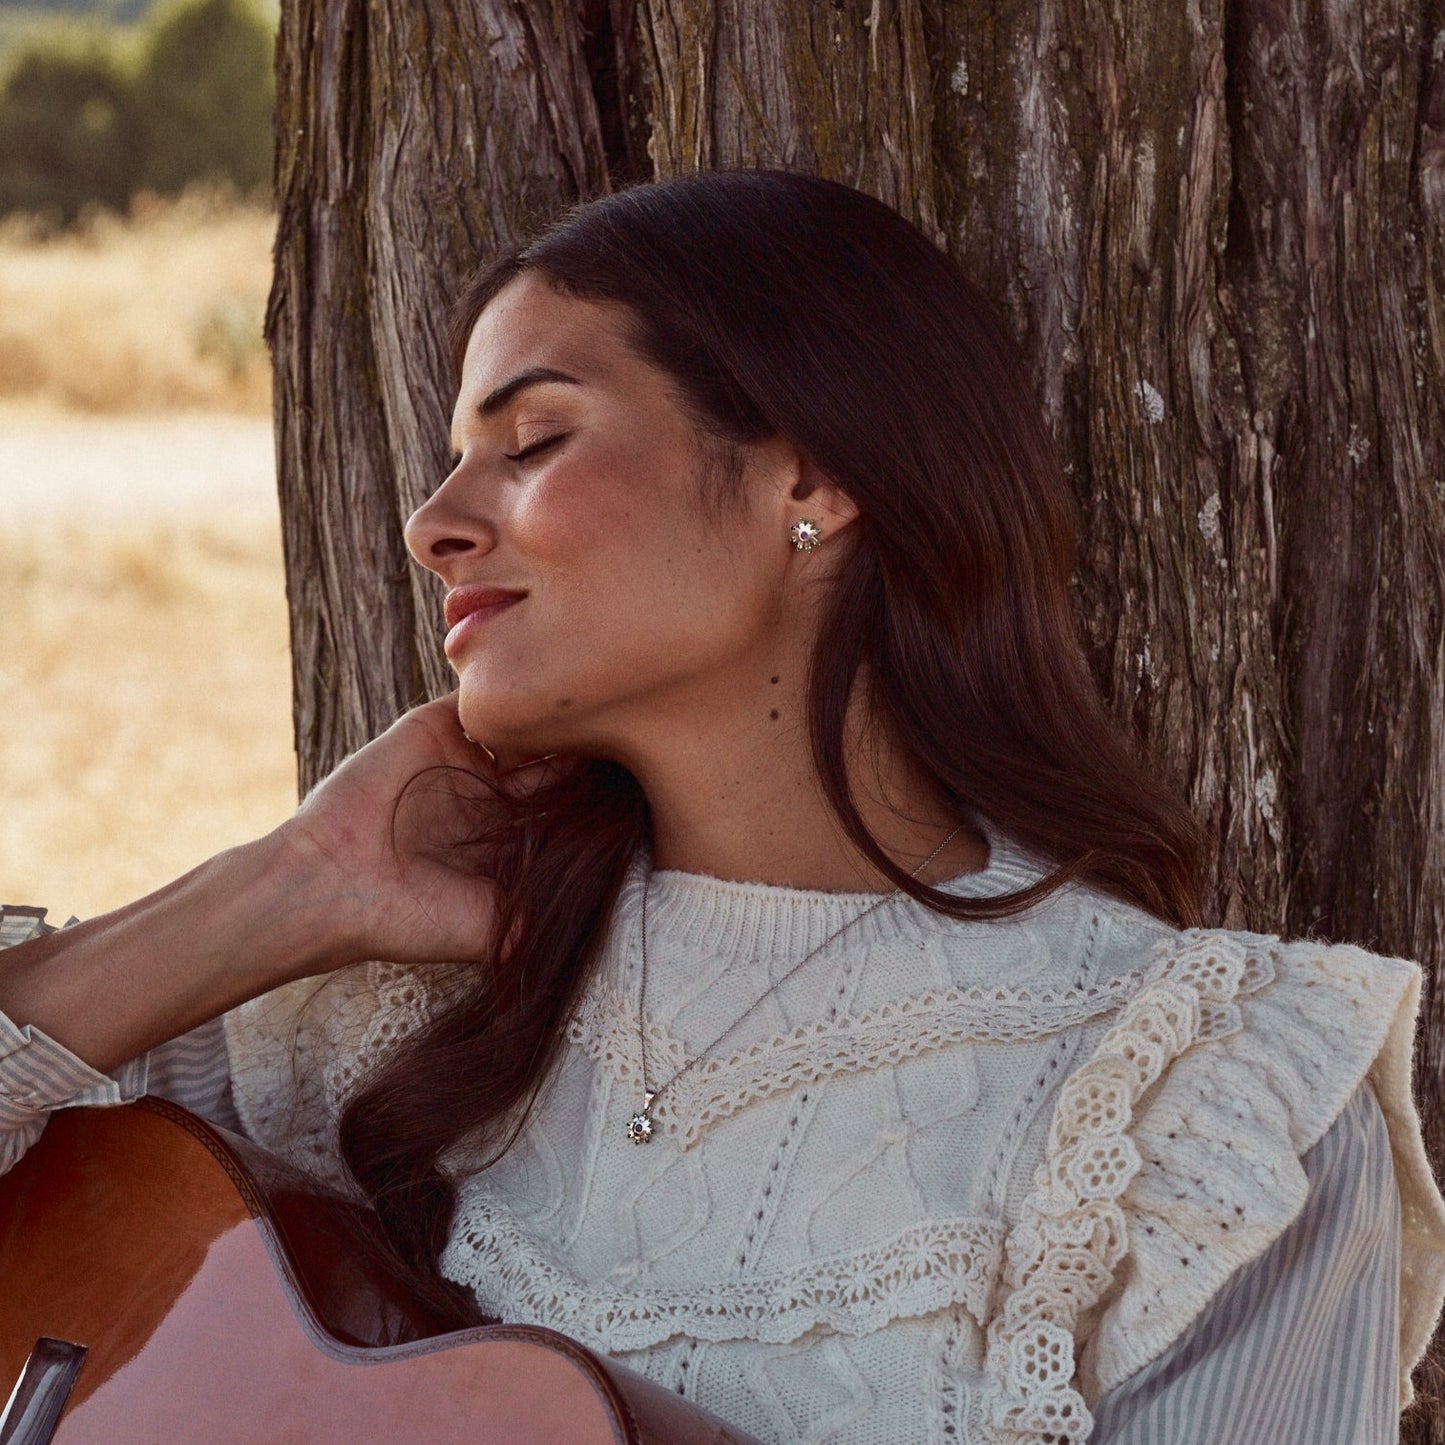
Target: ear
817 496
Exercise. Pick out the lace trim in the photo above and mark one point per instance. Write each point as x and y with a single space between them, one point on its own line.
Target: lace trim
401 1002
288 1101
607 1028
925 1268
1071 1234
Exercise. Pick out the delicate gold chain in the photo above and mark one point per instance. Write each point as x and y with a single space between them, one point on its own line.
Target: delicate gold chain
639 1130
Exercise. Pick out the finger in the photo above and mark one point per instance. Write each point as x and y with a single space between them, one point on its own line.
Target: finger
534 773
528 763
442 721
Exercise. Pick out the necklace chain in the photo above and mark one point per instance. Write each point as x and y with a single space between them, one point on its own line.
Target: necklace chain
641 1126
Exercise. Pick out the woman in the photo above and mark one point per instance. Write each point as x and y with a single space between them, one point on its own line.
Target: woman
796 989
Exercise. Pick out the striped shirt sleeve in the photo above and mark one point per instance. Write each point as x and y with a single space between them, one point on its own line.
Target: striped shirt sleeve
39 1075
1303 1342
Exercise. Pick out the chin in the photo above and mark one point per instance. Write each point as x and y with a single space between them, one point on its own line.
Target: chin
515 726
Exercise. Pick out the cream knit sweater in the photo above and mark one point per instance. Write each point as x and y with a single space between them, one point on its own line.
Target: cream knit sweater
952 1180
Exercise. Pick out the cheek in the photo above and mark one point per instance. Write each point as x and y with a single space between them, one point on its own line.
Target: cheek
567 515
599 523
627 571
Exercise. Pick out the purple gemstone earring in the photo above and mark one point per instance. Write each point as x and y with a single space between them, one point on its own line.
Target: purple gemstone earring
806 534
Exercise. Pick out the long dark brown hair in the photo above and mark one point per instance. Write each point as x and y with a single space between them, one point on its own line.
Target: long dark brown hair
785 304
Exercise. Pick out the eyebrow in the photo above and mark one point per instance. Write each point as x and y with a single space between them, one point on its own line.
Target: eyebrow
496 400
533 376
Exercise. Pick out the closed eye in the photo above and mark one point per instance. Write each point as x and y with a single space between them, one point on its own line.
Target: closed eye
536 447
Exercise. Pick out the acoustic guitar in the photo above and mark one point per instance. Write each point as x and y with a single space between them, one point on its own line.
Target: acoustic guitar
163 1281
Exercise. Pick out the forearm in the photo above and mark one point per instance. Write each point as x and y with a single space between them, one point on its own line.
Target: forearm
113 987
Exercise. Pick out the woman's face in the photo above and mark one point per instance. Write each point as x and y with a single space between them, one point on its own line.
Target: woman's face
636 613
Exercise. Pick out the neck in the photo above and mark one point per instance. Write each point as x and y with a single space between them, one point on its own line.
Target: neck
747 807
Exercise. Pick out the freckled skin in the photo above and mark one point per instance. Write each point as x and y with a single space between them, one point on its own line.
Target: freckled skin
638 614
648 635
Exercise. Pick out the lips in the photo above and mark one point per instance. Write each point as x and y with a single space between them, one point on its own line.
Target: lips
469 609
461 602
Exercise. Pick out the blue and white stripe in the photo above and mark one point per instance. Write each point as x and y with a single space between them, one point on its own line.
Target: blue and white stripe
1301 1344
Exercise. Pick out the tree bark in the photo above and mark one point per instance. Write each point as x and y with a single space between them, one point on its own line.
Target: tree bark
413 139
1218 231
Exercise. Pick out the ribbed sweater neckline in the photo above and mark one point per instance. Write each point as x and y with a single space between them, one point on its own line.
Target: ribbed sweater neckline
765 920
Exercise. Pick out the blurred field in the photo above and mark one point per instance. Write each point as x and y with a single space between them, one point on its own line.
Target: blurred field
143 631
157 310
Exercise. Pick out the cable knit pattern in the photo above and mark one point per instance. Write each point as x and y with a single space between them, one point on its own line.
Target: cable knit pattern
950 1182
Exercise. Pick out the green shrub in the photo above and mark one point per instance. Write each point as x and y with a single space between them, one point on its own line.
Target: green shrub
70 133
206 93
89 116
230 331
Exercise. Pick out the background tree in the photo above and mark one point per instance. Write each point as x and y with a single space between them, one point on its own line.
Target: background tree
68 132
91 112
1216 229
206 93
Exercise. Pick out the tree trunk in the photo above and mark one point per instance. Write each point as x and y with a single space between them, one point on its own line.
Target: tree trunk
413 138
1218 231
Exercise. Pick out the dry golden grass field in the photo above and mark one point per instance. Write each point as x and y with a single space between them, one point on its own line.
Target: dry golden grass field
158 310
143 633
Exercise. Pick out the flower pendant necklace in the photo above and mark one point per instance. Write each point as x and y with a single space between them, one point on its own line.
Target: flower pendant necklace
639 1127
642 1126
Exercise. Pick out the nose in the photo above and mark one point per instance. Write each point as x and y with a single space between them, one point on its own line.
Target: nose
449 526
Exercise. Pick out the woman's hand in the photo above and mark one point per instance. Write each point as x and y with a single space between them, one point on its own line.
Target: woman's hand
336 884
385 850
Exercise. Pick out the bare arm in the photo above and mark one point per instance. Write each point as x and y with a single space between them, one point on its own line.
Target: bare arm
345 879
113 987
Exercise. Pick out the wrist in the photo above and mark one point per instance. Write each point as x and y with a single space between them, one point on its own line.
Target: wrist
234 927
292 905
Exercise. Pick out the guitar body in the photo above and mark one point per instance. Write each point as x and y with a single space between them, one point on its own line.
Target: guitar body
188 1288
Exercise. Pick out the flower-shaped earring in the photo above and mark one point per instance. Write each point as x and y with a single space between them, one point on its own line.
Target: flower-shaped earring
806 534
